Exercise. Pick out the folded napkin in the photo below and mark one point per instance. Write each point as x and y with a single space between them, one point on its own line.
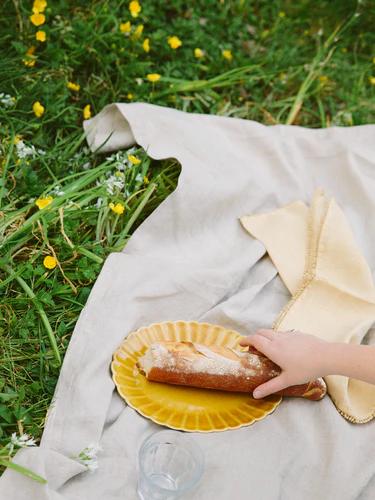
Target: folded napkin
191 259
333 294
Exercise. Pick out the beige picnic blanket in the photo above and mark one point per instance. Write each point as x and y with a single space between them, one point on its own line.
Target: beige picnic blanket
193 259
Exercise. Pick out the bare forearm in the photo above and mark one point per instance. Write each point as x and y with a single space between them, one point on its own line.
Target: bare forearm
353 361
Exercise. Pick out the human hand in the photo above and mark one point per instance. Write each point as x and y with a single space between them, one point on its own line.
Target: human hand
299 355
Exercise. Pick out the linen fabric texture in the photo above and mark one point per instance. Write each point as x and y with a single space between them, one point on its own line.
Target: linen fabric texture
193 259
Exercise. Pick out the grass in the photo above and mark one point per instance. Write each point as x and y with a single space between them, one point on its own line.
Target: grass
303 62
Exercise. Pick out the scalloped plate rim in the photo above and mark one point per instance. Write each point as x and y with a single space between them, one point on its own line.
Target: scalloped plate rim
155 419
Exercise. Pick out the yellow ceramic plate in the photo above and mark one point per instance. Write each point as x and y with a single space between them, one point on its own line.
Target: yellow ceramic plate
181 407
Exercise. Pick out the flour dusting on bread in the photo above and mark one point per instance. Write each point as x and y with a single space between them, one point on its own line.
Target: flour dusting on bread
198 358
217 367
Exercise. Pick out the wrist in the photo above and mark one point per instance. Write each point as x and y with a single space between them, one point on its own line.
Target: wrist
331 356
350 360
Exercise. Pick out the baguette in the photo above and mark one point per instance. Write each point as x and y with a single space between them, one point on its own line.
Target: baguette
217 367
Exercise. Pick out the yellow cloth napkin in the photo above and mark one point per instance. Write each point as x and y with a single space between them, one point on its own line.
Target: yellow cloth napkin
333 295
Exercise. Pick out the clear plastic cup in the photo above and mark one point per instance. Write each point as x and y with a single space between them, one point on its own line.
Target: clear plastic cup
170 463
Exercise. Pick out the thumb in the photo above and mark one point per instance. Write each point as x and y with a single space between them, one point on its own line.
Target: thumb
274 385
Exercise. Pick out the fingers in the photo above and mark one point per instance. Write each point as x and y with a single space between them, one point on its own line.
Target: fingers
268 334
258 341
274 385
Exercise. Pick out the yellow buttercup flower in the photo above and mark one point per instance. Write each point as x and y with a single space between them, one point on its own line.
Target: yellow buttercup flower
43 202
17 139
134 160
138 31
73 86
146 45
87 112
39 5
198 53
49 262
38 109
30 58
153 77
134 8
174 42
125 27
130 95
117 209
29 62
227 54
41 36
372 80
38 19
145 179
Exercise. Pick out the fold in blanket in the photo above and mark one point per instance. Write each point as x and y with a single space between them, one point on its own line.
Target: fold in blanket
191 259
333 294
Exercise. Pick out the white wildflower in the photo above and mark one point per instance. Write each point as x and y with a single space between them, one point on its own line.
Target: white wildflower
113 157
139 81
139 177
57 191
6 100
23 151
88 456
99 202
23 441
112 183
120 160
